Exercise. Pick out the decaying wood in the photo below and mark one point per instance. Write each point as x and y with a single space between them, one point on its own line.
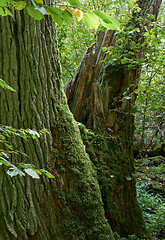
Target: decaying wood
79 89
95 93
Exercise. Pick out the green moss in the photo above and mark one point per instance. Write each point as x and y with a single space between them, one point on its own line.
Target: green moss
113 166
77 191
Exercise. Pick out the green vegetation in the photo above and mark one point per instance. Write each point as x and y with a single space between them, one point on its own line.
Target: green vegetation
150 175
151 192
7 135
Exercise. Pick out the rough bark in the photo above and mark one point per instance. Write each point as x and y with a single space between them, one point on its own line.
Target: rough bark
69 207
95 99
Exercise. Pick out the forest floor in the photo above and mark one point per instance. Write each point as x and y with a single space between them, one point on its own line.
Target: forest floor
150 174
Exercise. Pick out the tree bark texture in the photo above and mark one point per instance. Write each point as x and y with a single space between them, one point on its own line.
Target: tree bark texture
95 99
70 206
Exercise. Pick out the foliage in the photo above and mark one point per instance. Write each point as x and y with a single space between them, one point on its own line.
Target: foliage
74 40
62 13
150 190
5 86
6 133
151 202
150 107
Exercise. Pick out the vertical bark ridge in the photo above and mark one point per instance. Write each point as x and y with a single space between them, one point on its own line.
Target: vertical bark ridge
26 204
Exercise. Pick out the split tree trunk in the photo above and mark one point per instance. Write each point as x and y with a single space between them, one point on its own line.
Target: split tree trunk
95 99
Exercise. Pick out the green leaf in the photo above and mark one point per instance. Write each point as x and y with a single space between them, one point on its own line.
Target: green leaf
57 19
54 10
67 16
3 3
114 25
34 13
26 165
107 21
49 175
91 20
5 162
4 85
20 5
129 178
32 173
101 15
74 3
104 49
4 12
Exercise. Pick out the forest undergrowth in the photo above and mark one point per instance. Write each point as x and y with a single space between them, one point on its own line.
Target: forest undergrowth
150 175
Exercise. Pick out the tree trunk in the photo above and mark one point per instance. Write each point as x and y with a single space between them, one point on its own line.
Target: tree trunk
69 207
95 99
96 102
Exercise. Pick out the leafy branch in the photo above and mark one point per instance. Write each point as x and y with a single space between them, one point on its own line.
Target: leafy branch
70 10
21 168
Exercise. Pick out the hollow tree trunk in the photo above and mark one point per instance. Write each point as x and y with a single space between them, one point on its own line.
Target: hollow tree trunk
95 99
69 207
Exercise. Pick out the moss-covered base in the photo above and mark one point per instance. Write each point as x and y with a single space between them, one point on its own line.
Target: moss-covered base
115 173
76 191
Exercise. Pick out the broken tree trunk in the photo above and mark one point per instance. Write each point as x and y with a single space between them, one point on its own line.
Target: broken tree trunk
95 99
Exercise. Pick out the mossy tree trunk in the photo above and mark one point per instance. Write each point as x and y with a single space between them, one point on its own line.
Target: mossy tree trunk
95 98
69 207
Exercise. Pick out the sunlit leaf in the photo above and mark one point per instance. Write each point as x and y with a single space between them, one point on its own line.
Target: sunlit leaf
34 13
91 20
3 3
75 3
41 9
57 19
49 175
39 1
67 16
54 10
32 173
5 162
4 85
101 15
4 12
34 133
20 5
113 25
26 165
37 171
107 21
